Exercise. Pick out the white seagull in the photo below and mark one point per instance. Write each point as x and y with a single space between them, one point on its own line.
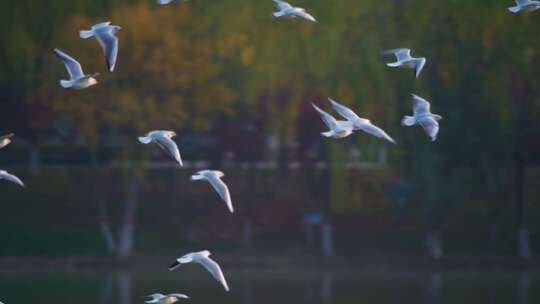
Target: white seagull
422 116
164 140
338 129
158 298
203 258
5 140
78 80
405 60
105 35
526 5
360 123
214 178
287 10
10 177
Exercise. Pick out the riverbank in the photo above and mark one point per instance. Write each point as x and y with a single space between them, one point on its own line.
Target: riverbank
359 262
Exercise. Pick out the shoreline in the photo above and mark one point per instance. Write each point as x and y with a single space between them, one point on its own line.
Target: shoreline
367 262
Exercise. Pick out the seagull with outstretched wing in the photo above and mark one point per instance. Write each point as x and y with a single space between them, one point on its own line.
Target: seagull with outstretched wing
287 10
360 123
164 140
405 60
105 35
78 80
422 116
203 258
214 178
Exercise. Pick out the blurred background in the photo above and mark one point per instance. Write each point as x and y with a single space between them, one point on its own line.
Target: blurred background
237 86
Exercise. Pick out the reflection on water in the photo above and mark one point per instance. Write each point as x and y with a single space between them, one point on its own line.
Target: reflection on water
263 286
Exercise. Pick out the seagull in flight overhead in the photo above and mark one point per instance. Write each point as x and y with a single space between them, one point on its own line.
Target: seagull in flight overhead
5 140
78 80
10 177
214 178
105 35
405 60
422 116
287 10
164 140
158 298
526 5
164 2
360 123
203 258
338 129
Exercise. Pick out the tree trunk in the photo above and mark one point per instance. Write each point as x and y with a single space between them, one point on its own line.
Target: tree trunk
524 250
127 232
124 288
247 234
327 240
523 290
433 245
34 159
327 288
433 289
99 193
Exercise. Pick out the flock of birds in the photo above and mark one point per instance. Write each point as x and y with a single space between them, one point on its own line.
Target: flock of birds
105 34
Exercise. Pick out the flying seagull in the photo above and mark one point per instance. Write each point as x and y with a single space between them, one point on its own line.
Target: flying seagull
214 178
405 60
526 5
5 140
338 129
287 10
105 35
422 116
78 80
10 177
164 140
203 258
158 298
360 123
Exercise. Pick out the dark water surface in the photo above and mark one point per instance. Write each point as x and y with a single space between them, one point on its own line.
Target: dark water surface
259 286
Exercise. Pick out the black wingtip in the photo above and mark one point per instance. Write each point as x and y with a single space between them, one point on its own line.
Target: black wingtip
174 265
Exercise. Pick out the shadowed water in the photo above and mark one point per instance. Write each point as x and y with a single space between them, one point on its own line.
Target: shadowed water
271 287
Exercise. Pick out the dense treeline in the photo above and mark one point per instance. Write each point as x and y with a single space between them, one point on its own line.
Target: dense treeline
227 70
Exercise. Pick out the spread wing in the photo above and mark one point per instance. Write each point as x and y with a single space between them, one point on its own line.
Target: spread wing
178 295
222 189
371 129
169 146
12 178
215 270
400 53
328 119
73 66
109 44
304 15
431 127
419 65
282 5
421 106
344 111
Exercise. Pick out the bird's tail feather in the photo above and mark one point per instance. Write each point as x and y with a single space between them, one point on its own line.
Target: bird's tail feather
278 14
196 177
514 9
408 121
145 140
327 134
86 34
66 84
393 64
